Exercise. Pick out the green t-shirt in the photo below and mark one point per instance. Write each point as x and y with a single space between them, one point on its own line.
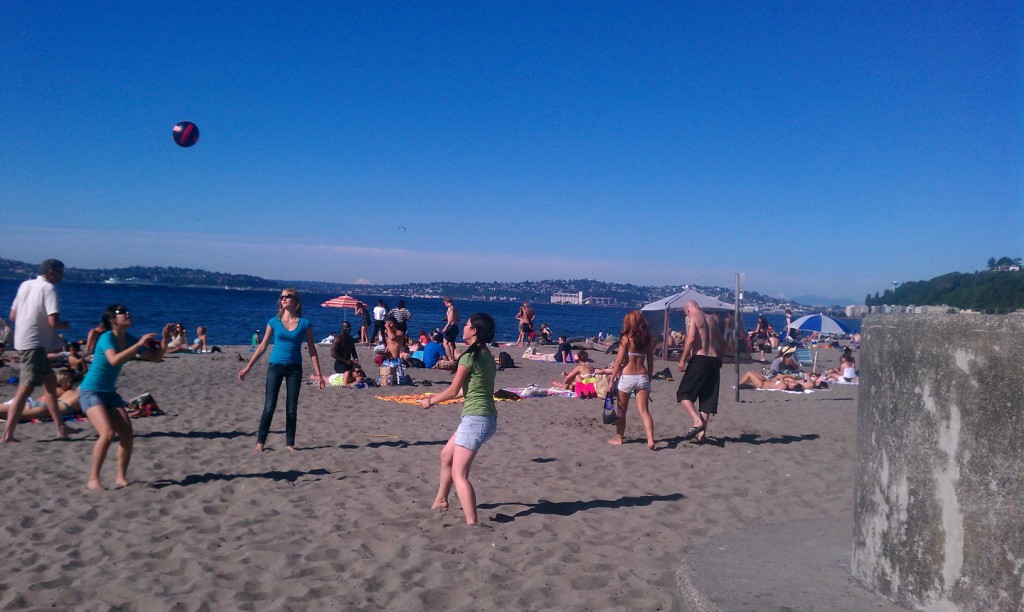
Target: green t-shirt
478 388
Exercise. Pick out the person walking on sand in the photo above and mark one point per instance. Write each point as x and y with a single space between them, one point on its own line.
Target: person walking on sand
474 379
379 312
288 329
450 331
701 365
98 396
36 317
633 366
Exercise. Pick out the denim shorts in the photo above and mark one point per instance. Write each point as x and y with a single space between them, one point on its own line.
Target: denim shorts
474 430
109 399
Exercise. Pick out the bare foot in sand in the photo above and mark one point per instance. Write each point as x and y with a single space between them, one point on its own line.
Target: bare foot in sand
259 448
8 440
120 482
291 449
440 505
652 446
96 486
615 441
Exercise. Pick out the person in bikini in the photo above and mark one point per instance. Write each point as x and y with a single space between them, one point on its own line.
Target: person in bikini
583 374
634 362
67 400
753 380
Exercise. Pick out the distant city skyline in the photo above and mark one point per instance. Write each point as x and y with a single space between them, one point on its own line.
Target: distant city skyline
822 150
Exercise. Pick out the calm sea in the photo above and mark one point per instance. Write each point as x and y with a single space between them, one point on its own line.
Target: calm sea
231 315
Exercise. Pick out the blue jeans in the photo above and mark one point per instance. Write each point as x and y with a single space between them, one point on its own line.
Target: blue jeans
292 374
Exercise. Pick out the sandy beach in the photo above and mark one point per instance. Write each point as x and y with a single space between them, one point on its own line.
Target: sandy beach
568 521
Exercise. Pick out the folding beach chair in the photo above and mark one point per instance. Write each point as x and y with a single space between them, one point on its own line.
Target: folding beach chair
803 357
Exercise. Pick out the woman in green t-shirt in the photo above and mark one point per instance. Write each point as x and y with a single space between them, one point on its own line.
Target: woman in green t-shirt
474 380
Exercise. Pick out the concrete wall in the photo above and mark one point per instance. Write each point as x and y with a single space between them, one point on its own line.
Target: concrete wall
939 498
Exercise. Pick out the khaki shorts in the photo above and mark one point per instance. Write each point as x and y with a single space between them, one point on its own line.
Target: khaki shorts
35 366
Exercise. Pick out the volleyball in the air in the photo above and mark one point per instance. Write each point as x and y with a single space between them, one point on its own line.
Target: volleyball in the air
185 134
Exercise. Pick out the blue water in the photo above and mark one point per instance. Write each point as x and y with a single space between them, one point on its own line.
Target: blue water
231 316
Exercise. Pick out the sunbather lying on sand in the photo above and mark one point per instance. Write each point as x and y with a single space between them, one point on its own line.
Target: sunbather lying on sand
753 380
67 400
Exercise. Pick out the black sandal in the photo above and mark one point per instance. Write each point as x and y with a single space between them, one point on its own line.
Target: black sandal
694 431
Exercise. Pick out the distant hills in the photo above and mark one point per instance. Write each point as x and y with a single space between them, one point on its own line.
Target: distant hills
986 291
535 291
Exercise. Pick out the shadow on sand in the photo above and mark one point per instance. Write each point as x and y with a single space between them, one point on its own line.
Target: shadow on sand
572 507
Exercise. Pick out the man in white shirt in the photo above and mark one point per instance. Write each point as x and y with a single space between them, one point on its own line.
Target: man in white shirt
36 318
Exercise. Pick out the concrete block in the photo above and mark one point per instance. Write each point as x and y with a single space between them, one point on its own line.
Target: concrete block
939 495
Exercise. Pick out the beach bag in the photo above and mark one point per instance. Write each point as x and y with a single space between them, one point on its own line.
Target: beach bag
143 406
445 364
505 361
603 385
608 414
387 376
502 394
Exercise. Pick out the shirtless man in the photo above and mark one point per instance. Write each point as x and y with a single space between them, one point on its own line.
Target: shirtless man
394 338
525 318
701 365
451 329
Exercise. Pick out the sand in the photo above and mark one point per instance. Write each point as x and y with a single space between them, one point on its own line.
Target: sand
568 521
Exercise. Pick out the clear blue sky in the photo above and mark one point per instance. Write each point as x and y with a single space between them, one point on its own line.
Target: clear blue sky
823 148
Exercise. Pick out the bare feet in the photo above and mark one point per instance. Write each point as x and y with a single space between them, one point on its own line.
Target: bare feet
440 504
291 449
96 486
120 482
7 440
652 446
615 441
259 448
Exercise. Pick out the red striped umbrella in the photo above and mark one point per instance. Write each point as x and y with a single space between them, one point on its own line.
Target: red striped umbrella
342 301
345 301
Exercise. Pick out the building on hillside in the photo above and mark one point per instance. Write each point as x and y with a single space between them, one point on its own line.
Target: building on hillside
567 298
600 301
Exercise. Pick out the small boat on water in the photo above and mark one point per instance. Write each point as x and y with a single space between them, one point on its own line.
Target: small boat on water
133 280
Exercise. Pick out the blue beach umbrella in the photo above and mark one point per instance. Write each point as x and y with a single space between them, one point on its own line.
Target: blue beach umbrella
820 323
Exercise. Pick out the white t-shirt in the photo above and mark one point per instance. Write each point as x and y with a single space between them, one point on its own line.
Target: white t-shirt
35 302
379 312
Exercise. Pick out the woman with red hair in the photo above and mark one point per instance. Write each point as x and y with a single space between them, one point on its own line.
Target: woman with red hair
633 366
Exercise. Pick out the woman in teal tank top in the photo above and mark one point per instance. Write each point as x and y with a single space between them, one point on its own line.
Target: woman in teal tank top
289 331
474 380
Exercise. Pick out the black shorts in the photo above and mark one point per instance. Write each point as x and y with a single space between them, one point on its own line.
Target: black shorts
340 367
700 383
451 333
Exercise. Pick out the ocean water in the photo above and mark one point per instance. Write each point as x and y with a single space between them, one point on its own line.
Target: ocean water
231 316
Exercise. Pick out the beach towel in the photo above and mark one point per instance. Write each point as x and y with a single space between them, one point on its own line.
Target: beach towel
414 399
535 391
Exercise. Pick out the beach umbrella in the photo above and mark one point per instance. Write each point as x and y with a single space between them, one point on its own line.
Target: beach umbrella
820 323
342 301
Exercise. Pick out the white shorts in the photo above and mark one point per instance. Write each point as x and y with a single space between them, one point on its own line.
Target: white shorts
628 383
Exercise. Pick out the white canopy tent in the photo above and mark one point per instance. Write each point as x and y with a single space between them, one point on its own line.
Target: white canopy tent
657 313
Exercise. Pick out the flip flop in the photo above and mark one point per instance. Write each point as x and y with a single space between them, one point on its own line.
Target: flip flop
694 431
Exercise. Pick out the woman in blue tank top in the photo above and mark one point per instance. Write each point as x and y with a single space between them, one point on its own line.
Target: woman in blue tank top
289 330
98 395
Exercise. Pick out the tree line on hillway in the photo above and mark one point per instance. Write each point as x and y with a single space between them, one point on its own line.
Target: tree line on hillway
994 290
